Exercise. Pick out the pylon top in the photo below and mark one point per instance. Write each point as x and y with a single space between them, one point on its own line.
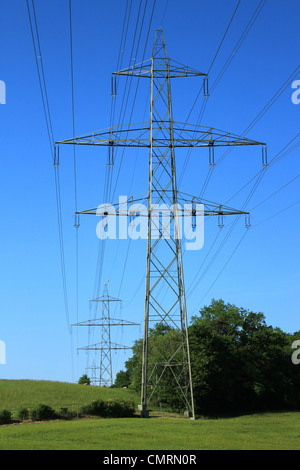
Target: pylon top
159 47
161 63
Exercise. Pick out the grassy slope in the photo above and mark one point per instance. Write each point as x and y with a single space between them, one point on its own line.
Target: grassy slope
263 431
272 431
15 394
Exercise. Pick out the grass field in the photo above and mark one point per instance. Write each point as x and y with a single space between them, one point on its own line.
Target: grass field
15 394
162 431
272 431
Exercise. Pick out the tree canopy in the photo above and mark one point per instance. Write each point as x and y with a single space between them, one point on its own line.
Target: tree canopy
239 363
84 380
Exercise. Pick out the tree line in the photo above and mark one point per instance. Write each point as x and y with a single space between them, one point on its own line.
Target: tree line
239 363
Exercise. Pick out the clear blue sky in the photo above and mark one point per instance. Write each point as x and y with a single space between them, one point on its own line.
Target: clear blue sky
263 275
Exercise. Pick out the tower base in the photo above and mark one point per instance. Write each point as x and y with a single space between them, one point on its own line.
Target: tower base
144 412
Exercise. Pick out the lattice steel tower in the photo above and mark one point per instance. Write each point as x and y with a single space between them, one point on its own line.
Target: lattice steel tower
164 269
106 346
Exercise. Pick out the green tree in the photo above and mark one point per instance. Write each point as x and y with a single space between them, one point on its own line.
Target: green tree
239 363
163 343
123 379
84 380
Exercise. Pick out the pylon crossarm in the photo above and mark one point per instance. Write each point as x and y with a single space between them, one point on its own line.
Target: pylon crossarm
106 299
188 136
98 347
137 205
103 322
175 70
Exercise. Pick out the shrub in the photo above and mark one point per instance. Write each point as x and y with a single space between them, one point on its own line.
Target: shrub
109 409
84 380
23 414
123 379
43 413
120 409
5 417
96 408
64 413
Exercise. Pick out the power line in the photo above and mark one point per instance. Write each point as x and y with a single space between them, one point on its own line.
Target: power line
262 172
109 168
137 86
250 126
164 13
223 70
259 176
201 88
214 59
277 213
279 156
109 172
120 57
132 108
55 157
239 42
264 109
41 76
225 265
240 241
250 195
73 105
215 83
224 36
193 283
276 192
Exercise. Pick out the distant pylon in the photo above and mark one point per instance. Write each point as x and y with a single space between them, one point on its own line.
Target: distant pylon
105 346
94 377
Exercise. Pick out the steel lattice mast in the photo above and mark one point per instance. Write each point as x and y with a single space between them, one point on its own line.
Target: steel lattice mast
106 346
164 267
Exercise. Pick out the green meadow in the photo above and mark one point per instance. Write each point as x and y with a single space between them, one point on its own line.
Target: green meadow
15 394
162 431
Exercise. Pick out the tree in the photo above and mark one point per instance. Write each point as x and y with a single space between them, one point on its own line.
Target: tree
84 380
123 379
239 363
163 340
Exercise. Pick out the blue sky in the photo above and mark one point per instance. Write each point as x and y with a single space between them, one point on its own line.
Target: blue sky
263 275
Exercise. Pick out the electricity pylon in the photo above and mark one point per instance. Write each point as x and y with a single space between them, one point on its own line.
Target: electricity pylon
106 346
164 267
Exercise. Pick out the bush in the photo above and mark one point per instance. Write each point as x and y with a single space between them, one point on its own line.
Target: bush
64 413
109 409
84 380
120 409
43 413
5 417
123 379
96 408
23 414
